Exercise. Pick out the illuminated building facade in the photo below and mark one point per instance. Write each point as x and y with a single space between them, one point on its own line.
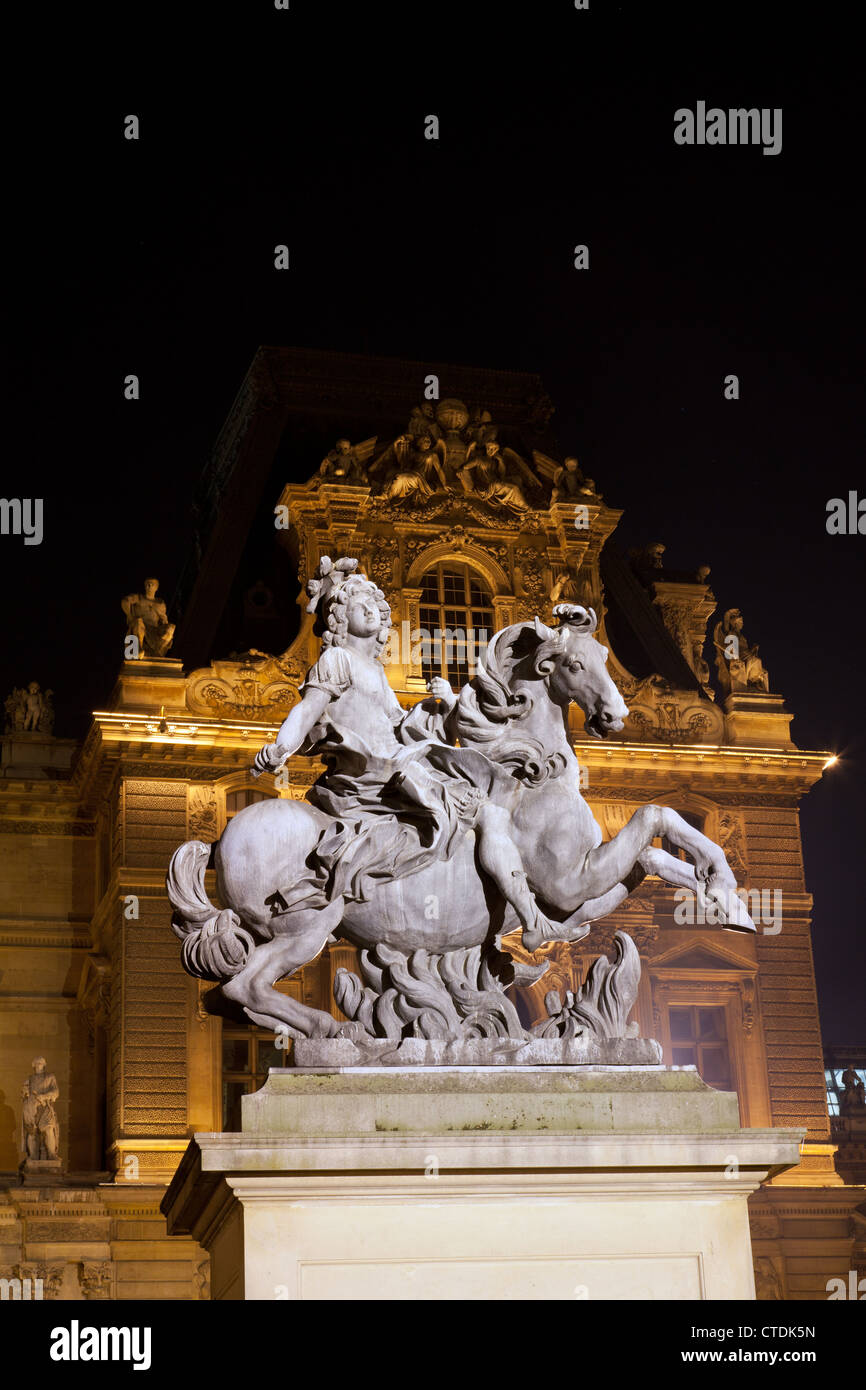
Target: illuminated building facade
90 973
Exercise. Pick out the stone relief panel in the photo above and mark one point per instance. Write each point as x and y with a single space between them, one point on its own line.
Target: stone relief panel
257 687
660 713
201 812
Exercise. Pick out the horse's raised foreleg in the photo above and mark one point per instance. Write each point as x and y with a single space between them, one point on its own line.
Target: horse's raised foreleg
669 868
711 876
611 863
253 986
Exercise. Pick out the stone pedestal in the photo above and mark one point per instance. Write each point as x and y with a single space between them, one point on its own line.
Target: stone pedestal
758 719
34 757
40 1171
461 1183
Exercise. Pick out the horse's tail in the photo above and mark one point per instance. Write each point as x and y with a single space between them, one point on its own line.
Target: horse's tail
215 945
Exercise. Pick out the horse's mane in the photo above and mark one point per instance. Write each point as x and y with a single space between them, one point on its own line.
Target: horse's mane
488 708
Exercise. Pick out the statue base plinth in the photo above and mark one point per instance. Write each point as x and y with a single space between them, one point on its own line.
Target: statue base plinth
340 1054
490 1183
757 718
40 1172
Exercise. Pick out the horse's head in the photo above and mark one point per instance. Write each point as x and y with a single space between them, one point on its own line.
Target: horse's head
498 711
573 664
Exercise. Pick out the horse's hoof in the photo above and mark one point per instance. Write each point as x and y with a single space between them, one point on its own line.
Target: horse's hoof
731 910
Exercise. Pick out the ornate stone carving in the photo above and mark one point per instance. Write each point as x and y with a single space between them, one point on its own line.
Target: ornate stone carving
659 712
147 621
529 586
202 820
499 476
29 710
49 1271
747 995
768 1282
259 688
676 618
684 607
346 464
201 1280
569 483
385 565
738 665
645 935
603 1004
733 841
453 994
763 1227
94 1276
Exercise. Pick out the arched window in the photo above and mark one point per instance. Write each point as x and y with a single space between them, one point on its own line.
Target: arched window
457 618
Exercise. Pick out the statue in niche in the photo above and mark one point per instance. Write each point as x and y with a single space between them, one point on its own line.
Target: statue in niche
569 483
344 465
413 467
854 1095
41 1131
147 621
738 665
433 833
496 475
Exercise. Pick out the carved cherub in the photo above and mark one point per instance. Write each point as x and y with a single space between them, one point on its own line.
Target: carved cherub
345 464
38 709
569 482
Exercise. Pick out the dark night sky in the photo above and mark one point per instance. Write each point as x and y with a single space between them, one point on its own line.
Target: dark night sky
156 257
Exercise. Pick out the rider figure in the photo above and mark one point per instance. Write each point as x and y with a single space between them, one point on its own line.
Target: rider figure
382 760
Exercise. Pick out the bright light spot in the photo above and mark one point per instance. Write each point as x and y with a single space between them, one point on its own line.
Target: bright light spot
831 762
